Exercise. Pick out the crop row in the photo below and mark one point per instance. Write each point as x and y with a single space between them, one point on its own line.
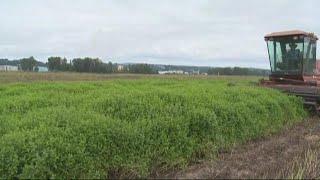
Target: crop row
130 127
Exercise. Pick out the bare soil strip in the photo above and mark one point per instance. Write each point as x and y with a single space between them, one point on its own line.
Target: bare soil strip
265 157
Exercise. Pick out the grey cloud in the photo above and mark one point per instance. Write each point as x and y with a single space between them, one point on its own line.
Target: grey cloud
199 32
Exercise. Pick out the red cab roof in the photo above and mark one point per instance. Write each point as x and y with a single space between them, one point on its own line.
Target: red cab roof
290 33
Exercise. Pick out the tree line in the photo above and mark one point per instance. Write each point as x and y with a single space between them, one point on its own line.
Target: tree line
88 65
24 64
95 65
238 71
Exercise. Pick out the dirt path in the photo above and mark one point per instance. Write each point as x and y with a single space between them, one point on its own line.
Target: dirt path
260 158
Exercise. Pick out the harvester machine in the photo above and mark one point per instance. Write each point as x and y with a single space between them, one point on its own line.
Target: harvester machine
294 67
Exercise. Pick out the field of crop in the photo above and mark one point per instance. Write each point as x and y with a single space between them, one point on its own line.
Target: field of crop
130 128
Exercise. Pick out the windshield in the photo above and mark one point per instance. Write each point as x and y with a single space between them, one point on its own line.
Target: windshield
286 54
309 56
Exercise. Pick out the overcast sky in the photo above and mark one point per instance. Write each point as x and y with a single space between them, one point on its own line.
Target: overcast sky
184 32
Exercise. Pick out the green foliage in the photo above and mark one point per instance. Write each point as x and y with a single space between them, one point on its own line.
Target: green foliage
79 65
94 129
36 69
141 69
28 64
91 65
58 64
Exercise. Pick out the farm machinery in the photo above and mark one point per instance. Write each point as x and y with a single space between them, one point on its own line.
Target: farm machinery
294 67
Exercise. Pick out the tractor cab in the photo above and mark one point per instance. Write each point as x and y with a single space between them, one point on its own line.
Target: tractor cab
292 55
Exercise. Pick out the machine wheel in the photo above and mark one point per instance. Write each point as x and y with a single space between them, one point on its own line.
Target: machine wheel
313 108
318 109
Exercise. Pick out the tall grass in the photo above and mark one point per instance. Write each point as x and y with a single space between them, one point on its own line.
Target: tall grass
98 129
303 166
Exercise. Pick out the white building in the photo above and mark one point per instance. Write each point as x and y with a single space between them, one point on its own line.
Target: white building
120 67
171 72
196 72
8 68
42 69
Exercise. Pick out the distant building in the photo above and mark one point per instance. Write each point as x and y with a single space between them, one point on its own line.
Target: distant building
196 72
171 72
204 74
8 68
42 69
120 67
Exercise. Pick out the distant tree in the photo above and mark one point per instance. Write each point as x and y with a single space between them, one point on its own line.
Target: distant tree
27 64
64 66
89 65
78 65
115 67
58 64
141 69
109 67
227 71
238 71
126 69
54 63
36 69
